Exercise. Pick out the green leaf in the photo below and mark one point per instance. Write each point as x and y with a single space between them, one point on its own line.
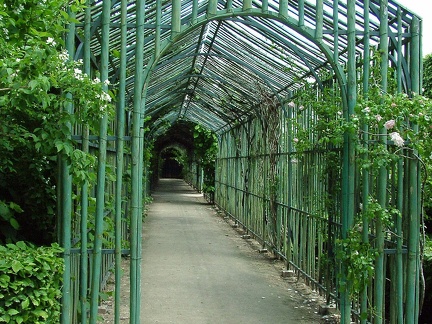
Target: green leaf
64 14
12 312
59 146
116 53
16 266
25 304
14 223
33 84
15 207
40 313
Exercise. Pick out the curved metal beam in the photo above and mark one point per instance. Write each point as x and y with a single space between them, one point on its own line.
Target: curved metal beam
305 31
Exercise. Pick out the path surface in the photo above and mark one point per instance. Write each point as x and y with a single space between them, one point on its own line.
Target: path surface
197 269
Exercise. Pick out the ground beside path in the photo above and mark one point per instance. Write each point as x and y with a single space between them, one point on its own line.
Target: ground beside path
196 268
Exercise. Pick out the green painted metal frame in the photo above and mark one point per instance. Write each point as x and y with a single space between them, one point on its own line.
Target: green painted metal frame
168 51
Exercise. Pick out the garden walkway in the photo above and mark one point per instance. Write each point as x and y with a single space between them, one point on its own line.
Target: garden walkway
196 268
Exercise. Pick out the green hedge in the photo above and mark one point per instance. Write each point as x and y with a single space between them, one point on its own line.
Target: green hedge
30 283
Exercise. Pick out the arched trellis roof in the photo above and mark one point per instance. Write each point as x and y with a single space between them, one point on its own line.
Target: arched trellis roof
208 70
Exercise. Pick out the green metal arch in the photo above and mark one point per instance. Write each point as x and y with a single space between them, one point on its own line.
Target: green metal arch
307 32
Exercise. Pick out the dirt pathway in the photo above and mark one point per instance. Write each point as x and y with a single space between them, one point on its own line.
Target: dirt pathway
197 269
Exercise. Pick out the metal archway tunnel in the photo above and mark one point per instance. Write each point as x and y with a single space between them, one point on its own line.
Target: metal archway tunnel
264 76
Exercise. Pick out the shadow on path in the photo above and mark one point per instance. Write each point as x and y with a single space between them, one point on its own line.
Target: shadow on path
197 269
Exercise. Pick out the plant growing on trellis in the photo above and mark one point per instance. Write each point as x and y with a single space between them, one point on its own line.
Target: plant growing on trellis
205 146
270 118
397 126
357 255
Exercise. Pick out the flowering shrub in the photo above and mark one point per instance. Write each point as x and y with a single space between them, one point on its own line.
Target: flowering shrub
389 120
383 128
38 80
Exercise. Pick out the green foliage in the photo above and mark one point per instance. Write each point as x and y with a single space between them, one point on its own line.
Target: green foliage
427 76
319 121
357 255
427 86
384 128
427 272
205 148
39 84
396 114
30 283
358 258
428 251
9 224
381 128
181 157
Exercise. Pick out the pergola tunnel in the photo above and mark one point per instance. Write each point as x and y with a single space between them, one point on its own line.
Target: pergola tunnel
296 118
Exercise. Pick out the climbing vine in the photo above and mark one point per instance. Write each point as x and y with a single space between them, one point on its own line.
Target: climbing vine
357 255
270 116
386 127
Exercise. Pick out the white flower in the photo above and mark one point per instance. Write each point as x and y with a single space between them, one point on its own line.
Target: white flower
107 82
301 107
51 41
96 80
104 97
78 74
397 139
19 9
295 140
378 118
291 104
389 124
366 110
64 56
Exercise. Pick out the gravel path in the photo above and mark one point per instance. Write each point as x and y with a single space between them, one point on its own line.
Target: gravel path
197 268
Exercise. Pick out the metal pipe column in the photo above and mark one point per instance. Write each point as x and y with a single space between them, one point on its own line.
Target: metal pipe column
348 157
412 270
137 156
365 172
101 170
66 200
84 187
121 106
382 174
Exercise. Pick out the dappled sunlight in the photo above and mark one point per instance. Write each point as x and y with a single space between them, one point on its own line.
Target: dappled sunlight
192 195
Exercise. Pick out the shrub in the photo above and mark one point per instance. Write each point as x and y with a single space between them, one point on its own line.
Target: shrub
30 282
